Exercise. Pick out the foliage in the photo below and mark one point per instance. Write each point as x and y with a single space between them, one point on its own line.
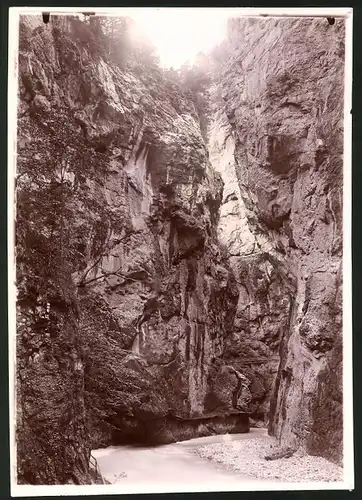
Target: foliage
114 388
122 42
114 33
56 213
62 227
194 79
115 38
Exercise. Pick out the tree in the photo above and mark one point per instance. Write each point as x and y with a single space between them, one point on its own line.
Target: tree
194 79
124 41
115 31
56 214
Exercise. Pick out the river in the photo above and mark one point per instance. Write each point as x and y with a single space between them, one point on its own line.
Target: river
171 467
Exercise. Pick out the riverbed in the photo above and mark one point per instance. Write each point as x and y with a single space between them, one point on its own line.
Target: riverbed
170 464
213 463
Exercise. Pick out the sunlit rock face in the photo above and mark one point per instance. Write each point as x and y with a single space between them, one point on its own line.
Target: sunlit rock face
276 137
128 299
265 292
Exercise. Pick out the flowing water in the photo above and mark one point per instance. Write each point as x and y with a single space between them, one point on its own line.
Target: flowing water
172 466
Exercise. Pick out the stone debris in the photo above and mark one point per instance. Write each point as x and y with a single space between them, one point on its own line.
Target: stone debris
247 457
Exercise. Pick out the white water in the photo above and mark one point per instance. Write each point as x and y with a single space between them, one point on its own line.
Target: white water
169 465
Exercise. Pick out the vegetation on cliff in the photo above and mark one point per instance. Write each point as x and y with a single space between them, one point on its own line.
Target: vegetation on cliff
172 277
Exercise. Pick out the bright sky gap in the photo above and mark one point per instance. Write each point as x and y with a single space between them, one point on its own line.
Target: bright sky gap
179 35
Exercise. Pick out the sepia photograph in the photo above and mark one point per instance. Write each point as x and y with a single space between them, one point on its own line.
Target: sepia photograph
179 250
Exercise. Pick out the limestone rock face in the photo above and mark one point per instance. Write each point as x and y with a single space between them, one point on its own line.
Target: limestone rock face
265 291
125 297
178 258
278 122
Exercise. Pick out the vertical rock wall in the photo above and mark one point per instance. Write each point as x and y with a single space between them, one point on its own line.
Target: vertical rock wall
125 298
265 290
279 102
172 281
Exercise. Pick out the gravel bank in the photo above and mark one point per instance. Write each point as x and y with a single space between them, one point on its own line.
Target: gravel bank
246 457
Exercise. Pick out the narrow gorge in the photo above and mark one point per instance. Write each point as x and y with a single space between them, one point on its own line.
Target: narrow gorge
178 240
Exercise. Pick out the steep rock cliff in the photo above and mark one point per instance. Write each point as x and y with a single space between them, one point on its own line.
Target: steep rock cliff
265 291
276 137
178 256
125 298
